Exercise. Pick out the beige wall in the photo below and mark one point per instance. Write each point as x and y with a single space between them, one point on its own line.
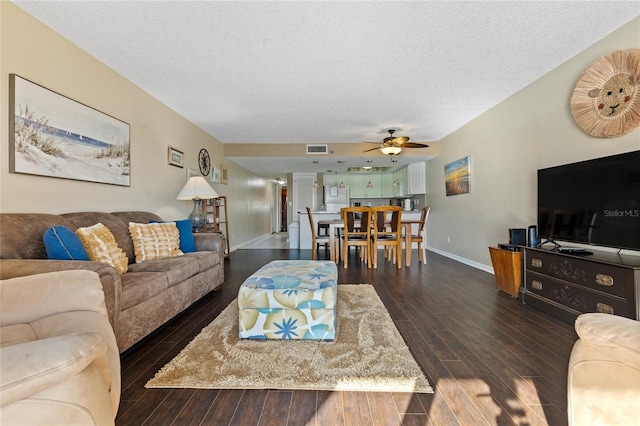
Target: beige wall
35 52
530 130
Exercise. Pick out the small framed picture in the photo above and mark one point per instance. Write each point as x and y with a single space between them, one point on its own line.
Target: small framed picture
175 157
224 178
215 175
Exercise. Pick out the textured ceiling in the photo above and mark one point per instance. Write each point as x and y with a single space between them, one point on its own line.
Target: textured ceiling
331 72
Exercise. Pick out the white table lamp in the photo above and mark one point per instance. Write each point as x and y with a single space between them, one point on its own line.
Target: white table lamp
197 189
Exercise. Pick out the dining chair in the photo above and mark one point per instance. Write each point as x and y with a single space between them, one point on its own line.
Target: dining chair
356 233
316 239
387 232
421 236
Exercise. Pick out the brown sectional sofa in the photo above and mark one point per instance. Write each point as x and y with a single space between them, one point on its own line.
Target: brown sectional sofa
141 300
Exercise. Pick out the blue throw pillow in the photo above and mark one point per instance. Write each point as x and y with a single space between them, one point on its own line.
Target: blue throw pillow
187 239
62 243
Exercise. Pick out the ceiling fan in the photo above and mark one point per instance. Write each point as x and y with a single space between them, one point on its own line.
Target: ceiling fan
393 145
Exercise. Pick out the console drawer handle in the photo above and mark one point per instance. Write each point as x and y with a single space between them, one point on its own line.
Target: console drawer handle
603 308
536 285
536 263
605 280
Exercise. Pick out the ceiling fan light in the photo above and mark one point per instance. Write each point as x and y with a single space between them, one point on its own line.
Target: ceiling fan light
390 150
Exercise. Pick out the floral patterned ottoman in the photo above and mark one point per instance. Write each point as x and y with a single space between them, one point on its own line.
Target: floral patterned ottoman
289 299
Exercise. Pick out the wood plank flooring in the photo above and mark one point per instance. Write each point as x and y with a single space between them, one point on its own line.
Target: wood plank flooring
490 359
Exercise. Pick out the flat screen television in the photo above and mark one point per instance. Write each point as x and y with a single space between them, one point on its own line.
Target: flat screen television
593 202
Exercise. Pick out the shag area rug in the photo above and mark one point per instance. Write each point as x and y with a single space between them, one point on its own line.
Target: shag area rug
367 355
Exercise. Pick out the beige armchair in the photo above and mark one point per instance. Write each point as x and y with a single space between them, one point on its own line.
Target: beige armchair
60 362
604 371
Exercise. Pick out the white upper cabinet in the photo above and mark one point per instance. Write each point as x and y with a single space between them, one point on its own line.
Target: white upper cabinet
401 182
365 186
388 189
416 178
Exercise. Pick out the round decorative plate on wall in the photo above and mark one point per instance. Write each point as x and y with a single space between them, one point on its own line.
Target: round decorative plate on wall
204 161
606 99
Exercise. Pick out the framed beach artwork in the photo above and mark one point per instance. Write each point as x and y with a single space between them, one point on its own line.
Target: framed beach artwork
52 135
457 176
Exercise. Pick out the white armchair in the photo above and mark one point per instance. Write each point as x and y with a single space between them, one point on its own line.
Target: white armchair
604 371
60 361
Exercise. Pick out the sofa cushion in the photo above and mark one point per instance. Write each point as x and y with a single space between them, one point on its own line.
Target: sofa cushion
206 259
176 269
21 236
118 228
153 241
138 287
102 247
613 335
16 334
62 243
41 364
187 239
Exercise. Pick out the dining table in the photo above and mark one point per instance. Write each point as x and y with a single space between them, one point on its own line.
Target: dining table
337 224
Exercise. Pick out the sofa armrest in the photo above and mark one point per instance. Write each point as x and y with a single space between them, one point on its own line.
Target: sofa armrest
32 367
109 277
210 241
616 336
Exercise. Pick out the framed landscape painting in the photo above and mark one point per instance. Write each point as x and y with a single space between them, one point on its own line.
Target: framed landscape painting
52 135
457 176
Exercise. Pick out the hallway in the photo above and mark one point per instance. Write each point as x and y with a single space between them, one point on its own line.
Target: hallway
277 240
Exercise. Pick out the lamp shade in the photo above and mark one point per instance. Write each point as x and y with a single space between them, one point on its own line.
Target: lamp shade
197 187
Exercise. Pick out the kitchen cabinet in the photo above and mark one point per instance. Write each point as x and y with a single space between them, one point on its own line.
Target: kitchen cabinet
343 178
330 179
416 179
386 184
375 191
334 179
401 180
358 186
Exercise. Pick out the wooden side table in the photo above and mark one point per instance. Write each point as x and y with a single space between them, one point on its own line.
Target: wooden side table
507 266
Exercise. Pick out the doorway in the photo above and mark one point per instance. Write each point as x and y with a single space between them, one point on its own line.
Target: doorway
283 209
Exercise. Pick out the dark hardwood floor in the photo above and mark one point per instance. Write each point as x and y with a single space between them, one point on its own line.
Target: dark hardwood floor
490 359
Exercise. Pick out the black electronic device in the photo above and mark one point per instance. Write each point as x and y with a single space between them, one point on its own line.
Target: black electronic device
573 250
510 247
593 202
518 236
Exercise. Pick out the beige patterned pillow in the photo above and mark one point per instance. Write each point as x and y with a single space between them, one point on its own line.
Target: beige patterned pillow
155 240
101 246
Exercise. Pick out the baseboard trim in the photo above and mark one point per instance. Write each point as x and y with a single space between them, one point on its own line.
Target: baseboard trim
466 261
246 243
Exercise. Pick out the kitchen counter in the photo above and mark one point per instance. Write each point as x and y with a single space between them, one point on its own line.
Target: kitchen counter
305 227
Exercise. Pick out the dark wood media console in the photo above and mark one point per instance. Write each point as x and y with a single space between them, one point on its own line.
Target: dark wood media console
567 285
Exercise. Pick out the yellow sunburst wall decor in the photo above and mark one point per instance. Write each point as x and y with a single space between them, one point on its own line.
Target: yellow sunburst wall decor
606 99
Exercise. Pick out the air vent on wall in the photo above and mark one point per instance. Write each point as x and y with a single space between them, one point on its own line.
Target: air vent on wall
317 149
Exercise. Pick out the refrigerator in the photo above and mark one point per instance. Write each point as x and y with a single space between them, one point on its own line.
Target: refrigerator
335 197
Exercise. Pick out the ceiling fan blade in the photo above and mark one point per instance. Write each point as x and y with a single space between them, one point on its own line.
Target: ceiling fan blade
372 149
414 145
400 140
